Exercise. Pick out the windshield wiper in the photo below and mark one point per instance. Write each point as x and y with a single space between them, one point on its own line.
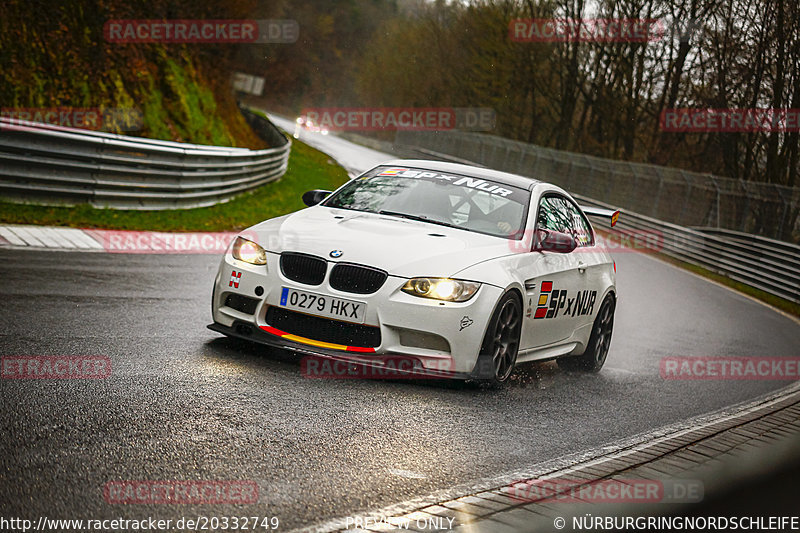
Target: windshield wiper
419 218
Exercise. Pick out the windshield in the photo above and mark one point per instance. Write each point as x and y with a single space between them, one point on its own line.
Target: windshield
464 202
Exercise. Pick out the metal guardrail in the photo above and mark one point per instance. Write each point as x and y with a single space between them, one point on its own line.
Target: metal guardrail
775 270
766 264
54 165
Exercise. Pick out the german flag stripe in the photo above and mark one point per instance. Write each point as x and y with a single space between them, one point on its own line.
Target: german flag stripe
312 342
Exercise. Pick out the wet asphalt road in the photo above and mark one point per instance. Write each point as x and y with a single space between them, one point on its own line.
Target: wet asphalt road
185 403
353 157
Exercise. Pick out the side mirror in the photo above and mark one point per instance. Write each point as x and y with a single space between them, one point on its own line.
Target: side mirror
554 241
314 197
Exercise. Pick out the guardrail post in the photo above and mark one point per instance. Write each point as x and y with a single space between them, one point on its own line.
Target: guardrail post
784 214
688 196
658 192
716 186
746 208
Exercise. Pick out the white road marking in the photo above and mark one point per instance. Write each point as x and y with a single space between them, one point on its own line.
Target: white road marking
24 234
80 235
58 237
11 237
50 237
39 233
71 235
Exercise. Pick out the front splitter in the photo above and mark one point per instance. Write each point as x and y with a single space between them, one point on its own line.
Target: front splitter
377 366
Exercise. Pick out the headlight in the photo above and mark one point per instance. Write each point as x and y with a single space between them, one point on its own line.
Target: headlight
451 290
249 252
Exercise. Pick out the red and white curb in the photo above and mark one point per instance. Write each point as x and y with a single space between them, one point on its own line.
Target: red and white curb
47 237
30 237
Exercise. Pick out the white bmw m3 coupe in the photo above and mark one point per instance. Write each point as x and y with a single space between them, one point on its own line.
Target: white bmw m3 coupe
458 271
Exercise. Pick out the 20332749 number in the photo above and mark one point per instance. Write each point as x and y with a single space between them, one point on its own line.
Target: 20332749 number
234 523
322 305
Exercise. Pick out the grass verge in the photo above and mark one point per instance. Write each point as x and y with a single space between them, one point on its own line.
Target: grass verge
308 169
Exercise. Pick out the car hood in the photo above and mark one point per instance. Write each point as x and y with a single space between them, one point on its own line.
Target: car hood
399 246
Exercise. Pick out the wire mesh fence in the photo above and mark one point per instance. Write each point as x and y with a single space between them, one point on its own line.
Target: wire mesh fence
673 195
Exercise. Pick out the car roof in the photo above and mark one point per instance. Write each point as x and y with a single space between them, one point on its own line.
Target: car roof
466 170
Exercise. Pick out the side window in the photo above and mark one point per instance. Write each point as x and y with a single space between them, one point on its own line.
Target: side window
553 215
556 213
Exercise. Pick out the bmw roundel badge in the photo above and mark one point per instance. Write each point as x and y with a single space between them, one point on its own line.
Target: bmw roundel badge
336 253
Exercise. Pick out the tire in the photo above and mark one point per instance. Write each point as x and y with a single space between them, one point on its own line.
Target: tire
596 352
501 343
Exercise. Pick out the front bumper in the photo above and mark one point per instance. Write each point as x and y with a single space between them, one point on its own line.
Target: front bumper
443 337
384 366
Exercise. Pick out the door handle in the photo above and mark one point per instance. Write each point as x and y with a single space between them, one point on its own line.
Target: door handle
581 267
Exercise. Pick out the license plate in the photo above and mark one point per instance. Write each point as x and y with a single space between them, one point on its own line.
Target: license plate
321 305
